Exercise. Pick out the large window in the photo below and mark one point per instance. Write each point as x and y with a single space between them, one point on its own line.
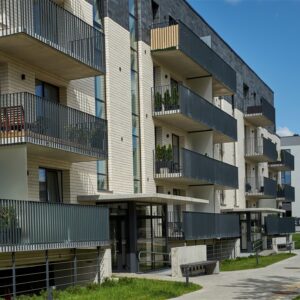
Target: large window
98 13
50 185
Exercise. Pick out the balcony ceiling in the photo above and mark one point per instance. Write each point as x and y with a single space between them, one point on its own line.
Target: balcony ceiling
45 57
258 120
179 63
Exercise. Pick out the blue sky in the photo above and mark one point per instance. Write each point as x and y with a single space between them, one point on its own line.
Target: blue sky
266 34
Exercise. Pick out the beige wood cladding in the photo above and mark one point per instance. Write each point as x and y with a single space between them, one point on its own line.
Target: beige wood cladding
164 38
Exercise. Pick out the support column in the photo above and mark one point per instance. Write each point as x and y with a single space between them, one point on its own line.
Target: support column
47 276
14 283
75 268
132 238
98 265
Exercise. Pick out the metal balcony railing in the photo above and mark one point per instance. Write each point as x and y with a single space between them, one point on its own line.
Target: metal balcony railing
176 35
168 100
28 225
286 162
53 25
200 226
260 147
263 107
287 192
198 167
276 226
26 118
261 186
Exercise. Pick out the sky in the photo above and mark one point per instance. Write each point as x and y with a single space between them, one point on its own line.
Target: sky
266 34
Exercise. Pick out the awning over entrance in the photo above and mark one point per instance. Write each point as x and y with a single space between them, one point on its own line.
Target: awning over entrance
252 210
149 198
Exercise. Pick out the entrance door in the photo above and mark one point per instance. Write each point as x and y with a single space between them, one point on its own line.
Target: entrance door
118 232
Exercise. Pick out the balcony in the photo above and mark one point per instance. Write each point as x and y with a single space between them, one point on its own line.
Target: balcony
261 188
195 169
184 109
201 226
260 149
286 163
286 193
279 226
50 128
46 36
180 50
261 114
27 226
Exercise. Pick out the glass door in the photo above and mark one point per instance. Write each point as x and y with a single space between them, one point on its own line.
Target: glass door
176 153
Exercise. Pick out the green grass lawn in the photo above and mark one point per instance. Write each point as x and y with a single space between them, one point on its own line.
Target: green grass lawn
296 239
245 263
123 289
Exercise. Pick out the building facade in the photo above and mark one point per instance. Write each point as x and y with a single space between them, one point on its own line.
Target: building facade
138 112
291 144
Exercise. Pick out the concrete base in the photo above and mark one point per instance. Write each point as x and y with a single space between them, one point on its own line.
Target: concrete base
185 255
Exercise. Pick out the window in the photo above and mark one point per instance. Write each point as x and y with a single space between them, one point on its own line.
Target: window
100 97
102 178
245 91
47 91
50 185
155 12
98 13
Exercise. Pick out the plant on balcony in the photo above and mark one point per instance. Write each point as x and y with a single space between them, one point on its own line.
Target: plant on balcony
175 98
167 100
164 158
158 102
9 229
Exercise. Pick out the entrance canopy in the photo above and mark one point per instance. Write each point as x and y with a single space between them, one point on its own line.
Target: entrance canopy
253 210
148 198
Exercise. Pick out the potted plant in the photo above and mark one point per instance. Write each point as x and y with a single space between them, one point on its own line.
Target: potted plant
10 233
158 102
167 100
175 98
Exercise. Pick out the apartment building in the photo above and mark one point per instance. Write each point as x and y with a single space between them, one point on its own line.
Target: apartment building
290 145
138 112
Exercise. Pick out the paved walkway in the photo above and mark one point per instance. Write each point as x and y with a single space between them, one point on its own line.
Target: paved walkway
278 281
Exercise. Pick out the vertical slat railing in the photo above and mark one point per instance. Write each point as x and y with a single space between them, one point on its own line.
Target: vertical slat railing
27 118
28 223
55 26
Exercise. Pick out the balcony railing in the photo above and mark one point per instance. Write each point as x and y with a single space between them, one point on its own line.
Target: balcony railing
261 187
26 118
261 114
276 226
260 149
55 27
286 163
198 113
193 167
286 192
201 226
28 225
177 36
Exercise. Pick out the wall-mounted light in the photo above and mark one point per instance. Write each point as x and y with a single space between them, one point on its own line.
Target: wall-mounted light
23 76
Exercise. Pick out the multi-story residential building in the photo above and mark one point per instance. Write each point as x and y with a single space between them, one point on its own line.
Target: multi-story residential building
290 145
138 106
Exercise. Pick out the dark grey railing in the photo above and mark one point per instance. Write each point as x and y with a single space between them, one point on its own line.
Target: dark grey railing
194 47
275 225
198 167
287 192
26 118
175 225
28 225
287 159
172 100
261 186
53 25
200 226
263 107
261 146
